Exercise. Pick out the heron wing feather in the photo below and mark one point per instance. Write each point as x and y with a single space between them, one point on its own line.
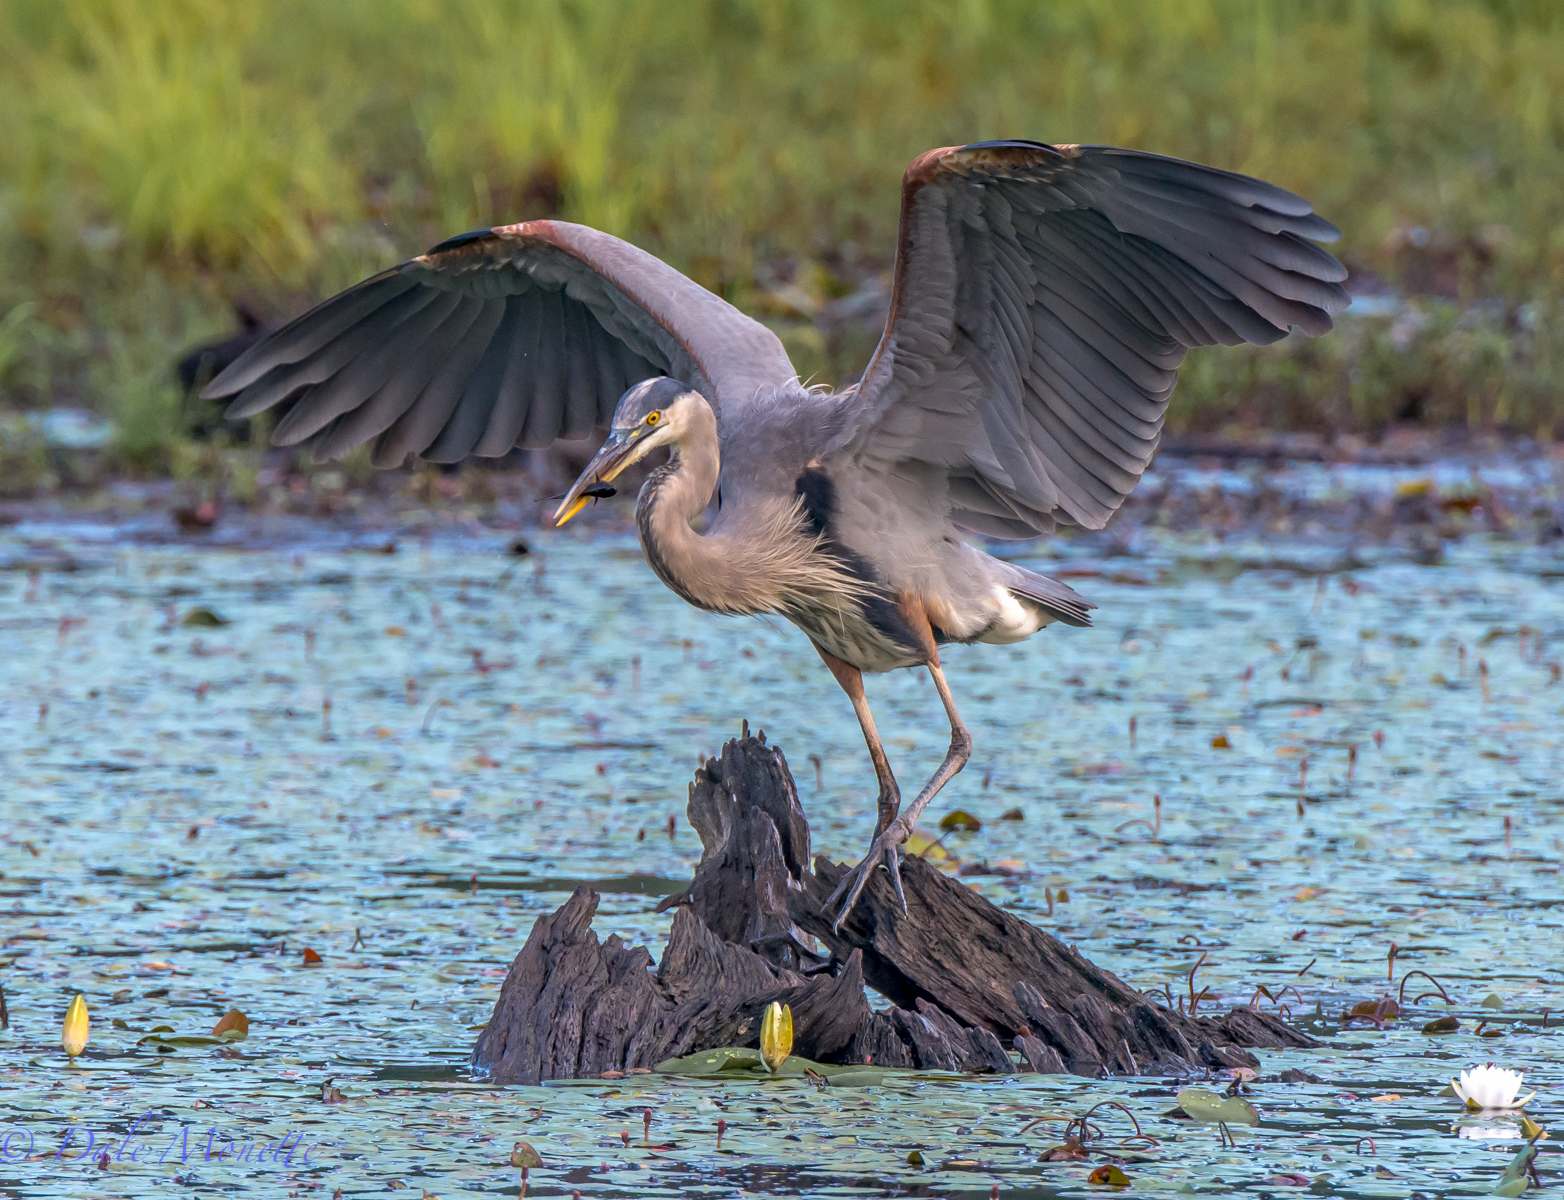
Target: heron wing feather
1044 298
516 335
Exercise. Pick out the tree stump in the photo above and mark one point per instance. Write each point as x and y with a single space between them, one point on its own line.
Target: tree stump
967 980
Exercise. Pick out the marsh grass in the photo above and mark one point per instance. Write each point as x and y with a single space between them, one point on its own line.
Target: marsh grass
161 159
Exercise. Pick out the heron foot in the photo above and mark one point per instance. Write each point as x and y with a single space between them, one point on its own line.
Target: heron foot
882 851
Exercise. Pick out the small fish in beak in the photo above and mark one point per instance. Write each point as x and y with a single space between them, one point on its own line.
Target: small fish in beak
618 452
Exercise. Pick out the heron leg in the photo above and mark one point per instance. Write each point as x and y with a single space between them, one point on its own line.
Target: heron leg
889 838
851 679
955 758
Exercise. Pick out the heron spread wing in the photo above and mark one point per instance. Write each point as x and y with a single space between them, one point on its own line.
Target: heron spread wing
512 336
1044 297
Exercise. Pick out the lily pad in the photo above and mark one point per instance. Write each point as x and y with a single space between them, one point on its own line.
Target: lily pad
1516 1168
524 1154
1492 1000
866 1077
746 1063
185 1041
203 618
1204 1105
1442 1025
232 1021
960 819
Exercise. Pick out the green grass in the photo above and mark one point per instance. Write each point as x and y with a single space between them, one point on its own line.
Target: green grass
160 159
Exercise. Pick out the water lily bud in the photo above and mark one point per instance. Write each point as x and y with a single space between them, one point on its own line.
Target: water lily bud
776 1035
74 1034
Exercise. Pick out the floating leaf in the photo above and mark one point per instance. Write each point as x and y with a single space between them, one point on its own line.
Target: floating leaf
73 1035
184 1041
1109 1175
524 1155
1070 1150
730 1059
1012 814
1204 1105
864 1077
232 1020
1375 1010
921 845
311 959
1491 1000
776 1035
960 819
1530 1130
914 1159
203 618
1512 1187
1516 1169
1442 1025
745 1063
1220 742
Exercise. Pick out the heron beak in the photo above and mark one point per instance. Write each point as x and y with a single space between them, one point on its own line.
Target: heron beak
618 452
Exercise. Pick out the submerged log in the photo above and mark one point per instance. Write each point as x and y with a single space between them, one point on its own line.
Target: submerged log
967 980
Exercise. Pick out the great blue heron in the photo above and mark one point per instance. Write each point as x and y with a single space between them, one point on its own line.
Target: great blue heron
1043 297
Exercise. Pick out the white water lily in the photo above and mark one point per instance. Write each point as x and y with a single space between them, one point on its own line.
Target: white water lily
1490 1087
1488 1132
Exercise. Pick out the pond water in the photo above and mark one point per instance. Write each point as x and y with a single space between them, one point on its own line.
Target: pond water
215 758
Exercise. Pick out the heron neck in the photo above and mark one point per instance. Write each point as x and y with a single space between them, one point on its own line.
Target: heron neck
672 497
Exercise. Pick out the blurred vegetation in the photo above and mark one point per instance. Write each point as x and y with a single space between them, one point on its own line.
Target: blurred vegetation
163 160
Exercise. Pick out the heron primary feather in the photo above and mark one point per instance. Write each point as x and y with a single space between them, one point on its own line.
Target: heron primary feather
1043 298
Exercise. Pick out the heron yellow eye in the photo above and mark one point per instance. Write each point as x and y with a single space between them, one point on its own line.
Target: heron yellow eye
651 418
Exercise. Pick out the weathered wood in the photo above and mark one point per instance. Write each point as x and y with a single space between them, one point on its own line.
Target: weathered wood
569 1006
755 851
966 978
1044 1060
989 969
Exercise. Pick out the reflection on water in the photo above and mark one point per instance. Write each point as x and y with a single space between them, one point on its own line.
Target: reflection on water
398 761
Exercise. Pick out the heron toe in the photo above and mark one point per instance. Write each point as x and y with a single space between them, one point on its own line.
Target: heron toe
882 850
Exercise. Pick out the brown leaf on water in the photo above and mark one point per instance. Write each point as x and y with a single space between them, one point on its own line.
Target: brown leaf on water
1442 1025
1220 742
960 819
1012 814
1109 1175
311 959
1289 1180
1070 1151
1383 1009
232 1019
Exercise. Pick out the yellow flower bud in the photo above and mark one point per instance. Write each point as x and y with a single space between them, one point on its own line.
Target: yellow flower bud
776 1035
74 1034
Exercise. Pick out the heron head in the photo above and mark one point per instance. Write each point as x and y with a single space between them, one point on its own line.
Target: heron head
655 412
